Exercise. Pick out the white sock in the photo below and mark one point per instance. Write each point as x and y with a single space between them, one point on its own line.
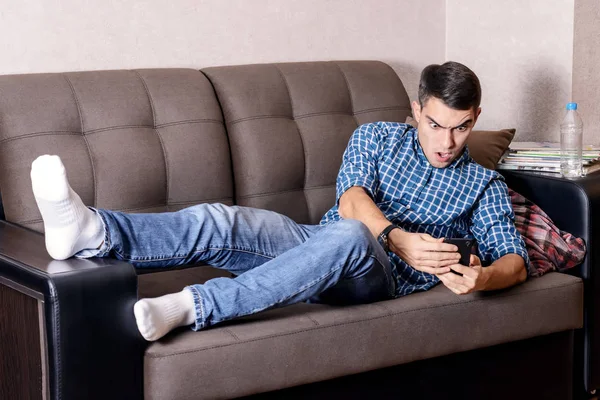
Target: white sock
157 317
69 225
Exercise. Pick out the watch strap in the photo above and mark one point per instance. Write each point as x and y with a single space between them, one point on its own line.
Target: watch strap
383 236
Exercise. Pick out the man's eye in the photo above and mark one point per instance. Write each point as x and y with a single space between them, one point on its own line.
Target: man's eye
434 125
461 128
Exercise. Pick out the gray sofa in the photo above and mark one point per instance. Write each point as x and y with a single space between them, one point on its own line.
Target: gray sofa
268 136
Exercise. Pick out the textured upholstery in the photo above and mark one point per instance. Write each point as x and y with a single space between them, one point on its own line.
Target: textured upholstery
140 141
307 343
301 115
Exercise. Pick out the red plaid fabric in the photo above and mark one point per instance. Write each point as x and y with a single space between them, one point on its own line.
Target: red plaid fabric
549 248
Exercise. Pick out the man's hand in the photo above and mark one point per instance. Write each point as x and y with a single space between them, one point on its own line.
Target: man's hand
472 279
423 252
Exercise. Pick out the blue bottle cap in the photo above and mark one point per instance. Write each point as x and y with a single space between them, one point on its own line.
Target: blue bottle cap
571 106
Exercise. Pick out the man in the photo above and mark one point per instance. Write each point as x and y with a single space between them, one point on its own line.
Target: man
400 192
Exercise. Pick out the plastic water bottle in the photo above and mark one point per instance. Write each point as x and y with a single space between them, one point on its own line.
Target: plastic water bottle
571 133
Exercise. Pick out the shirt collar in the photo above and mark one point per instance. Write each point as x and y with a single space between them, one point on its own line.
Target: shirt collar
464 157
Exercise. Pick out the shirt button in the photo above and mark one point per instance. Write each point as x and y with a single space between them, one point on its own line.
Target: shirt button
408 207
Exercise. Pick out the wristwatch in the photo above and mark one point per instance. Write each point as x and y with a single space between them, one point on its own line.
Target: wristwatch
383 236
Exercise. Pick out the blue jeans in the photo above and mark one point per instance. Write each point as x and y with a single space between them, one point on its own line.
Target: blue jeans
276 261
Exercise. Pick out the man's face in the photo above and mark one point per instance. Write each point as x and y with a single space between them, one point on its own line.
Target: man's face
443 131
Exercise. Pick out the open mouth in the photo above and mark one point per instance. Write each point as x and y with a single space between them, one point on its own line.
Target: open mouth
443 156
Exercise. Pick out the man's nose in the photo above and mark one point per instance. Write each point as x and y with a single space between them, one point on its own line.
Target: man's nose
448 138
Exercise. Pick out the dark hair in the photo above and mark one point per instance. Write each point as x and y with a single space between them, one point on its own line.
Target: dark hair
453 83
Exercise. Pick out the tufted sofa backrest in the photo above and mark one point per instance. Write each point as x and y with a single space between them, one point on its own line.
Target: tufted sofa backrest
288 125
155 140
139 141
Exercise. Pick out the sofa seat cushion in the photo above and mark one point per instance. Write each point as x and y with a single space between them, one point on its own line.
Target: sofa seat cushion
159 283
312 342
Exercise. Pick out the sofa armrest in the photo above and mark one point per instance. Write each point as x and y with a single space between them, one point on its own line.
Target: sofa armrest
93 348
574 206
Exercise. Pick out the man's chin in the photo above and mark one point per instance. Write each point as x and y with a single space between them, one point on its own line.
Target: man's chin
441 164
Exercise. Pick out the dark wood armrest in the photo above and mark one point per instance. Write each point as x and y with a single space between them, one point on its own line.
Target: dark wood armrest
90 344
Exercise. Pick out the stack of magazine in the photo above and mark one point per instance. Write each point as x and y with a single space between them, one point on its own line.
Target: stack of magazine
545 157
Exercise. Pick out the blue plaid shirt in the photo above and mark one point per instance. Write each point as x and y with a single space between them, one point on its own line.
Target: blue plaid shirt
461 200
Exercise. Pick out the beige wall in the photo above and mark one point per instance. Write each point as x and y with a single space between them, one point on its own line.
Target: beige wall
522 51
586 67
67 35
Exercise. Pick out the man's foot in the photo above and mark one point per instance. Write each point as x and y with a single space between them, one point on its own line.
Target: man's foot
157 317
69 225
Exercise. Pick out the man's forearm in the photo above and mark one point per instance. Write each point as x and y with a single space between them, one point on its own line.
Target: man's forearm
355 203
507 271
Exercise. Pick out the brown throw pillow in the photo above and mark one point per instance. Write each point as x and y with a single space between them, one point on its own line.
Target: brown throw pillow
486 147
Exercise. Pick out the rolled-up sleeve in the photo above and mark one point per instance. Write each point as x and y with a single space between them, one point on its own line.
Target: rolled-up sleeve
492 225
359 163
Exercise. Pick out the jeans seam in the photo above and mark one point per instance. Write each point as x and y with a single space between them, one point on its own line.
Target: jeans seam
200 322
107 243
178 256
387 278
391 281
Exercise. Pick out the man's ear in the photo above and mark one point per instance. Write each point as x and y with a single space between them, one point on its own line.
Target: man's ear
416 109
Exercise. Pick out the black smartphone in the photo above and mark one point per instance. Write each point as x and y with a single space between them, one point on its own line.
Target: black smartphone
465 247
